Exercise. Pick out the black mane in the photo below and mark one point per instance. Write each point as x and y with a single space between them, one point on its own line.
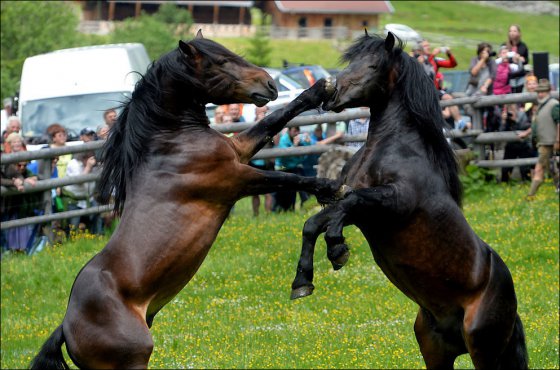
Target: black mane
420 98
145 115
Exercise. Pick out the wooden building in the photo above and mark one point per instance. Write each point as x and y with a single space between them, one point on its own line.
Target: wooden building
209 12
289 19
325 19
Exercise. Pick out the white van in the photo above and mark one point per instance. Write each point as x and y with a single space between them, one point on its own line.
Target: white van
73 87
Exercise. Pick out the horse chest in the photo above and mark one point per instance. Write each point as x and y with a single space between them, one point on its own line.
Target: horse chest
366 171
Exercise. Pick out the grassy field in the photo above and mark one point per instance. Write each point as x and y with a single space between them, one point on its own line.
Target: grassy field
460 25
236 312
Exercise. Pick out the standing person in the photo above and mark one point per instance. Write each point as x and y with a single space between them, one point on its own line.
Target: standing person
508 66
286 199
521 50
6 112
317 137
262 164
19 206
79 196
546 123
219 113
110 117
530 108
438 62
13 126
57 137
356 127
14 143
432 63
483 72
102 132
88 134
234 110
515 119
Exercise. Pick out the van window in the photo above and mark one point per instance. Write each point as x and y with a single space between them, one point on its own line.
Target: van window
72 112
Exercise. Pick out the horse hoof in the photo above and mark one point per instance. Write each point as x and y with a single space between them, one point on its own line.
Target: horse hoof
341 260
342 192
301 292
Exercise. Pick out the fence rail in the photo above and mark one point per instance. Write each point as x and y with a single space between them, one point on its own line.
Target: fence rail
480 139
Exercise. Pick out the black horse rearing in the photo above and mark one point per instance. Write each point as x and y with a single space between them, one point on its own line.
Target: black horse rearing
405 197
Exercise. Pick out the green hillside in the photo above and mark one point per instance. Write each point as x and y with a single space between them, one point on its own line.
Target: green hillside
460 25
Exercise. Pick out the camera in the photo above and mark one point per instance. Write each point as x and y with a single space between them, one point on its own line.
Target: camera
492 54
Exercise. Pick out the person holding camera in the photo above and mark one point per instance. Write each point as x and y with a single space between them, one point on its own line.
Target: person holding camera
431 63
482 70
508 66
483 73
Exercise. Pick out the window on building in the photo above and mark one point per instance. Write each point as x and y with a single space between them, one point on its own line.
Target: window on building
327 29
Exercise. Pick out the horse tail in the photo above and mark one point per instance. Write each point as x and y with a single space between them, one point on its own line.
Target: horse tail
50 356
515 355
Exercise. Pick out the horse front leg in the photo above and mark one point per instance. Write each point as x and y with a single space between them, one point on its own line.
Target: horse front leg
302 286
263 182
250 141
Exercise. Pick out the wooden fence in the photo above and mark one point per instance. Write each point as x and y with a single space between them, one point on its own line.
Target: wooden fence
480 141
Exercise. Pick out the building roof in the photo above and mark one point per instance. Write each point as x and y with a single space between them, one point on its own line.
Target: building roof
233 3
338 7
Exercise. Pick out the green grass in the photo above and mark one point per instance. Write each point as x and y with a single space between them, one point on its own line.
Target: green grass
236 312
458 24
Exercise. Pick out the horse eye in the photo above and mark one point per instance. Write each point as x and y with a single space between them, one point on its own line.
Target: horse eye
373 66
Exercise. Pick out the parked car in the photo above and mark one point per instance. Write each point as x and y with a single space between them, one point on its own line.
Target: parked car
306 75
288 90
403 32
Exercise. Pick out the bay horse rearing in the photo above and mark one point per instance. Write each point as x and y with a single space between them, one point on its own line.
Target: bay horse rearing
174 180
405 197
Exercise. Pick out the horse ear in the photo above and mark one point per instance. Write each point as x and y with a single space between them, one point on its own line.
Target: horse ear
389 42
365 30
199 34
187 49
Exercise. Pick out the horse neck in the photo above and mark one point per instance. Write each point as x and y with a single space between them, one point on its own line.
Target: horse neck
388 118
183 102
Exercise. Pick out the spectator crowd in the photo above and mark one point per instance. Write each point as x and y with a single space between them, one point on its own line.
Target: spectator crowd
505 71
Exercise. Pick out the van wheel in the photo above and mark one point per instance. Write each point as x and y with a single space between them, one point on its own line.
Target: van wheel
331 163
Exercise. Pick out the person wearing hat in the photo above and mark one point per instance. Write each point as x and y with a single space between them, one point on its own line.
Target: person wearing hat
88 134
546 129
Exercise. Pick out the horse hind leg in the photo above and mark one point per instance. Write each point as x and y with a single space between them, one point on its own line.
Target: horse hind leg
515 356
337 250
439 347
492 329
121 341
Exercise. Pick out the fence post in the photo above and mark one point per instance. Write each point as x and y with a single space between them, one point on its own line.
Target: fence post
477 121
47 194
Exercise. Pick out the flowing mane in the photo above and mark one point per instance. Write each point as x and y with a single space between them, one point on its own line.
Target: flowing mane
420 98
144 116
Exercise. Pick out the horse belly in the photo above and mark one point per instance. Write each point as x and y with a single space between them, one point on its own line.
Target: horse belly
438 270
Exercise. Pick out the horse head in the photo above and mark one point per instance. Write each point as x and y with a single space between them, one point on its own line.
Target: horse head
228 78
369 76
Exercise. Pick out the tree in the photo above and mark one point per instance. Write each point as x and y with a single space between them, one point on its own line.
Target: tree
159 32
259 49
49 25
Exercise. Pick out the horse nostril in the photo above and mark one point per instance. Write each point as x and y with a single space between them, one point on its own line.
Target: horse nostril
271 85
